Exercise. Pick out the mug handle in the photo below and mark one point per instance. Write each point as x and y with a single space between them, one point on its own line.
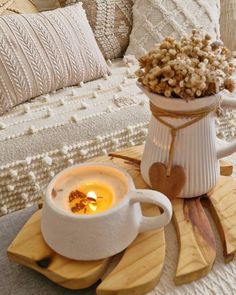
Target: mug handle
156 198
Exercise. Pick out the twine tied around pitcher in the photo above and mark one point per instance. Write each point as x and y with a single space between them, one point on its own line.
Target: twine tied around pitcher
195 115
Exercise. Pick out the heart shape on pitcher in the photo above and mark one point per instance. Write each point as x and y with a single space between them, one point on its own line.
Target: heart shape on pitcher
172 185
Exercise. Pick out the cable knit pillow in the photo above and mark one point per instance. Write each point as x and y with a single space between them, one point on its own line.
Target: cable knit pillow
154 19
111 22
42 52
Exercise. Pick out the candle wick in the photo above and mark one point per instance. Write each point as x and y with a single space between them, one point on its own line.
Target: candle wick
84 201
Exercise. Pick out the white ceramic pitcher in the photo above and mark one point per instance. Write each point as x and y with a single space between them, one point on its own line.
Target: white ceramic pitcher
196 147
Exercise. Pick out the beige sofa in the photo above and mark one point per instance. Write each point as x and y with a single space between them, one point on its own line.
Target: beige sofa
41 137
51 132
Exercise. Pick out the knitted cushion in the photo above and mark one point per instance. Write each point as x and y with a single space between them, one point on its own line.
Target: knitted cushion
40 53
228 23
16 6
154 20
111 22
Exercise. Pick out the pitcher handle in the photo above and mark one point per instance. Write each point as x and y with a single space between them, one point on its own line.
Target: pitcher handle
224 149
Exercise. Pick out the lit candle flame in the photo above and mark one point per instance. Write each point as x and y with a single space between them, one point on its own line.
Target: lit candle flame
93 200
92 195
90 201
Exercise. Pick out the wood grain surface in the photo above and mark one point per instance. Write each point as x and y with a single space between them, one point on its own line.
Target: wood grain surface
30 249
226 168
137 272
141 265
139 269
222 203
197 248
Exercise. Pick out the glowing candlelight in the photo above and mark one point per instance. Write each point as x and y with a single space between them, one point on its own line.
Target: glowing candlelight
90 198
92 212
88 190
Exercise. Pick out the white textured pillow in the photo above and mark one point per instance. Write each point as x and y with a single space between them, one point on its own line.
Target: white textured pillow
40 53
153 20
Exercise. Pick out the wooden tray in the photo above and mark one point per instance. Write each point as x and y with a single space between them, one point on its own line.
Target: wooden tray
140 267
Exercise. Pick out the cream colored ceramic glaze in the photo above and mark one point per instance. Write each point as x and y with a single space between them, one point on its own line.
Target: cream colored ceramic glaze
92 237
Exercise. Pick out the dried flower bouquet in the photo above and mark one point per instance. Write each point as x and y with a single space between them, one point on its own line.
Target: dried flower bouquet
191 68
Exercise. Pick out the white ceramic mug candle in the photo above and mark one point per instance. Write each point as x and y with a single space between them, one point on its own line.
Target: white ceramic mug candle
92 211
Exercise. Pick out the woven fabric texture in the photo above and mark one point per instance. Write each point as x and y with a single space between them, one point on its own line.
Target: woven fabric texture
17 6
40 53
44 5
228 23
153 20
111 22
42 137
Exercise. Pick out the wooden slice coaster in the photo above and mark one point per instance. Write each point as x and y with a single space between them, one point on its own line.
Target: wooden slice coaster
140 267
138 271
30 249
222 204
145 254
197 248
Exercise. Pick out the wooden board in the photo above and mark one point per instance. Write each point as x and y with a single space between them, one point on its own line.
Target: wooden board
140 267
29 249
137 272
222 203
226 168
197 248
